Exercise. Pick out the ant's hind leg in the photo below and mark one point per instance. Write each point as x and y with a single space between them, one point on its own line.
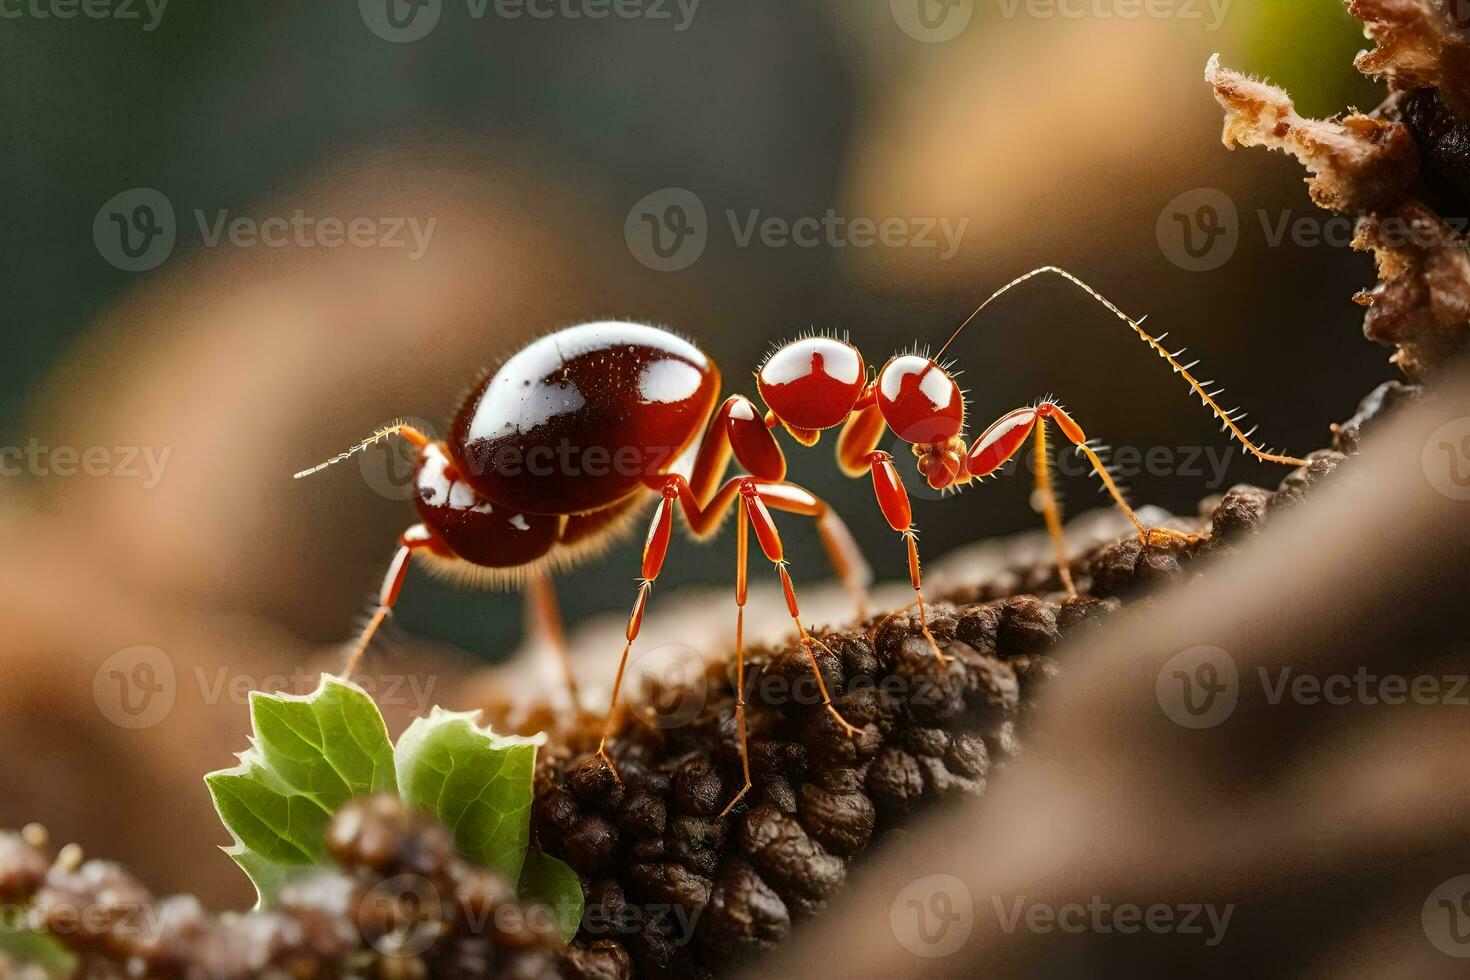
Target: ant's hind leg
415 537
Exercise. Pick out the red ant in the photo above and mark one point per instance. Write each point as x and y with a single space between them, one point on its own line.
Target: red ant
623 405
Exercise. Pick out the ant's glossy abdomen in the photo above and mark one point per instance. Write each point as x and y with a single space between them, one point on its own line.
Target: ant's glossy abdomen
581 418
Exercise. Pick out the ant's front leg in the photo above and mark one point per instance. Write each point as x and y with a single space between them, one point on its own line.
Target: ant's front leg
414 538
1008 434
893 501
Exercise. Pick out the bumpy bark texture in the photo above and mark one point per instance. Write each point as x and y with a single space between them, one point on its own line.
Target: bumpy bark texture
685 893
1400 168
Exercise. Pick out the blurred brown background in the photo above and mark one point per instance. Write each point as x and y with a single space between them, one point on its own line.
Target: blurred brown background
528 142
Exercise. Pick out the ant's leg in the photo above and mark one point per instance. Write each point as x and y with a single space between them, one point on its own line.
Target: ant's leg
753 505
738 429
742 537
893 501
997 444
1050 512
1074 432
702 521
655 550
415 537
544 614
860 435
1005 437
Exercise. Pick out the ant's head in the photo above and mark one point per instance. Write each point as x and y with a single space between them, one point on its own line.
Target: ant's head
924 406
811 384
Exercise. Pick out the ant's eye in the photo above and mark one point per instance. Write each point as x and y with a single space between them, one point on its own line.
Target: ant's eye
920 401
812 383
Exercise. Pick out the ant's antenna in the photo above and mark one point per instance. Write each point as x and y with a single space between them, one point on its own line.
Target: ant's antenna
396 428
1228 418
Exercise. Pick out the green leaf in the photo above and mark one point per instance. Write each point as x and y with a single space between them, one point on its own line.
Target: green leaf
331 745
478 783
25 946
551 882
310 754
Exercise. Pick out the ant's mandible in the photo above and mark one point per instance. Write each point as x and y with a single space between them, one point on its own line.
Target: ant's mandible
553 455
